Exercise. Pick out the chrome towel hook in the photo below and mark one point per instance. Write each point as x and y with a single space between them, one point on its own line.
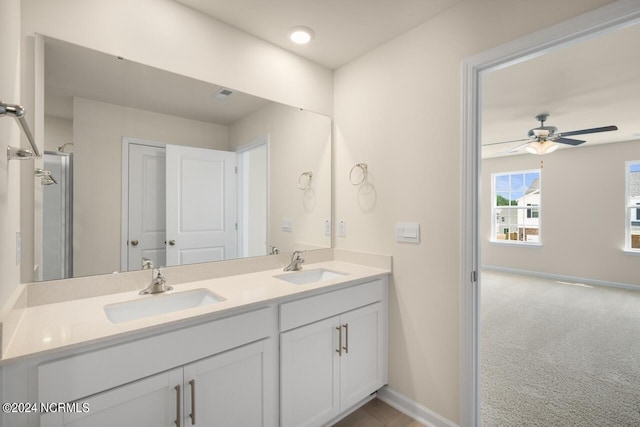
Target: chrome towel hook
304 180
355 180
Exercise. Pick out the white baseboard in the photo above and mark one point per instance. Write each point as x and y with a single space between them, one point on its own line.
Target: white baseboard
563 278
413 409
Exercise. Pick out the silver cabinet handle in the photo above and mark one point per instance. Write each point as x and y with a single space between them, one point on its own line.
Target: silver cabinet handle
339 350
346 334
172 242
178 416
134 243
192 415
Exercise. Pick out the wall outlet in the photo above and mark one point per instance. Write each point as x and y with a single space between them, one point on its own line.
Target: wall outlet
327 227
342 228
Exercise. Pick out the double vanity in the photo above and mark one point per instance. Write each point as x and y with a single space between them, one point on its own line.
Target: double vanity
266 348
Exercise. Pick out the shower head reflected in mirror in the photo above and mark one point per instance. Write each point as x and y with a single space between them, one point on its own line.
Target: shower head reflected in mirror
63 146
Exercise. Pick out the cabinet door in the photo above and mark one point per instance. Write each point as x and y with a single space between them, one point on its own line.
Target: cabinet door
309 374
151 402
362 362
228 389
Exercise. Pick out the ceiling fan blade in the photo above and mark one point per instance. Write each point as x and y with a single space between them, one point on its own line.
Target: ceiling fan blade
506 142
514 149
585 131
569 141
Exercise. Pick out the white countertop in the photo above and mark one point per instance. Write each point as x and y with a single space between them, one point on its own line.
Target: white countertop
55 327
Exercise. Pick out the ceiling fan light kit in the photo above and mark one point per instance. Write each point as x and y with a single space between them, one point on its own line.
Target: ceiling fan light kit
540 148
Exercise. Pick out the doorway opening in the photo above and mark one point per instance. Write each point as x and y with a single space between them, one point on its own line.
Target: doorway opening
608 18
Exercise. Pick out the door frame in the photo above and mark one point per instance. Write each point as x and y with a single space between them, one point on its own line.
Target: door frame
611 17
124 229
257 142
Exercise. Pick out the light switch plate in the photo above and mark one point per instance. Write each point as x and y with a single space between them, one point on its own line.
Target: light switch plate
287 225
18 247
342 228
327 227
408 232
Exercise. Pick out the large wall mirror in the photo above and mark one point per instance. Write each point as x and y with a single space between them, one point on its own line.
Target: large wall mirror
143 167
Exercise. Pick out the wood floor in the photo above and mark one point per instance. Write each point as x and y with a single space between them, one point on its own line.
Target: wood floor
376 413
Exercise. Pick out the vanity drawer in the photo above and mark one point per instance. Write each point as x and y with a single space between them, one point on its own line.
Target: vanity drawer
304 311
79 376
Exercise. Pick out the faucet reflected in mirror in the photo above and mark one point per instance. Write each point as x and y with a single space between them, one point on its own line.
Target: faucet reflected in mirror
108 118
296 262
158 283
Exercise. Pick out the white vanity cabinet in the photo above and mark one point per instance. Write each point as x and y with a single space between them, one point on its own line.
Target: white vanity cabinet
333 353
228 390
153 401
234 386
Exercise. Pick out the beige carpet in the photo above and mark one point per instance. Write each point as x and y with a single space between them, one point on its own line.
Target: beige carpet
557 354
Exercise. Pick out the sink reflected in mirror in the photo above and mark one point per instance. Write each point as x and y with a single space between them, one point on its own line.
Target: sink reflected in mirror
154 305
306 277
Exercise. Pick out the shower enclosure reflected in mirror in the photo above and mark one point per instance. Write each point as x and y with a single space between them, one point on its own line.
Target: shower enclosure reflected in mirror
168 170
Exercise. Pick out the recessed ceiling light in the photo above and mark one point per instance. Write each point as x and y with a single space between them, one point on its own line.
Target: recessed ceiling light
301 35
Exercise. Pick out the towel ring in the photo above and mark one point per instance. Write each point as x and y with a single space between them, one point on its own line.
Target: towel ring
363 167
304 180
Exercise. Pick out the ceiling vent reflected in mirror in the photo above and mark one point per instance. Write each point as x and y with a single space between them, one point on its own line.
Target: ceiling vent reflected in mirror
223 93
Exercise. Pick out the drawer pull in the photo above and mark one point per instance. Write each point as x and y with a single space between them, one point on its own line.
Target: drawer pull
178 416
346 335
192 383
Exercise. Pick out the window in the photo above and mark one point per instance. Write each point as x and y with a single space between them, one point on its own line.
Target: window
516 206
633 201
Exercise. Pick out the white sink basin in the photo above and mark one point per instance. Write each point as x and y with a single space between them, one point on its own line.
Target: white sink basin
306 277
152 305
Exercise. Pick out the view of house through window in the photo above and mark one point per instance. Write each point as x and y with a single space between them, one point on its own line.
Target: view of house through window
633 201
516 206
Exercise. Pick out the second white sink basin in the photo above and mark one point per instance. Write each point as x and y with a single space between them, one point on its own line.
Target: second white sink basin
306 277
153 305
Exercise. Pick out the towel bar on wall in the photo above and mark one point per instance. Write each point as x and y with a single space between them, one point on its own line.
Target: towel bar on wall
18 113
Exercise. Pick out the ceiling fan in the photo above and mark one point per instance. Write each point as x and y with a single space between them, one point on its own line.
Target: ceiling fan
544 139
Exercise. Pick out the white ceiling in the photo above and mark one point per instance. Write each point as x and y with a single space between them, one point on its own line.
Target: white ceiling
588 84
72 70
344 29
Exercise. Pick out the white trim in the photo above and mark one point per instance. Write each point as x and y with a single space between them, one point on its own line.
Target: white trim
616 15
124 221
413 409
564 278
516 243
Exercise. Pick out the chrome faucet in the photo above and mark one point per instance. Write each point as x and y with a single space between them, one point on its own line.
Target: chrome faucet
158 283
296 262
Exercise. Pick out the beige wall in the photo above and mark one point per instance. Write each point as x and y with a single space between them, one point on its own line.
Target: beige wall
398 109
10 134
583 214
168 35
59 131
98 129
299 141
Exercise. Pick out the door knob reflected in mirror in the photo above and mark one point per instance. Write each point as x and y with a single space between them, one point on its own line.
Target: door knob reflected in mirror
134 243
